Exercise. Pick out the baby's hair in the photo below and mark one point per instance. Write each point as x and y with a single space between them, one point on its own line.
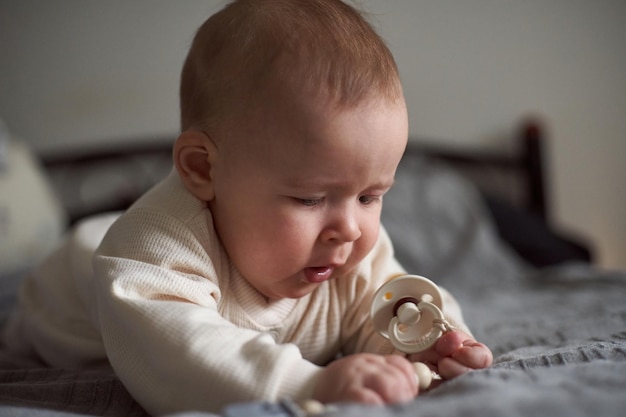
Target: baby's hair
323 47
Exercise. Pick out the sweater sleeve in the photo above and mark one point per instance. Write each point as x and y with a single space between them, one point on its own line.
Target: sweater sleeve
157 296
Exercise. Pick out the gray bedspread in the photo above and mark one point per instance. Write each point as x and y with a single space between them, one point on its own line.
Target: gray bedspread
558 334
559 341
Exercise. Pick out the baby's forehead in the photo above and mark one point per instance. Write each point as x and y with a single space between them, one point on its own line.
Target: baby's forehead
292 117
296 108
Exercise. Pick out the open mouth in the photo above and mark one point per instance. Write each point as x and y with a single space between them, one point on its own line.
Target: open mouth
317 274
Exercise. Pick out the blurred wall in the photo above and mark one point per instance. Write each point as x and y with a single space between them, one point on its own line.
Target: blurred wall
74 73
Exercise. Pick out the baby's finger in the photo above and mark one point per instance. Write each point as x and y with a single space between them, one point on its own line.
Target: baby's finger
407 370
365 396
473 355
451 368
392 381
450 342
429 356
388 391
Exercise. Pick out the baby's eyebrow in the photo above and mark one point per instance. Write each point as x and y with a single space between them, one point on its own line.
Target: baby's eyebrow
385 184
307 183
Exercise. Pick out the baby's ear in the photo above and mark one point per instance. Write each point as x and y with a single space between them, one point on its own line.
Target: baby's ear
194 154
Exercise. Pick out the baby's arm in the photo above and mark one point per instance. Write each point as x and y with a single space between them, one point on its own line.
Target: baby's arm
163 333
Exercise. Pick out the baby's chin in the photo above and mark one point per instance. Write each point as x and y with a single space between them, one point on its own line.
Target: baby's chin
306 282
298 288
294 293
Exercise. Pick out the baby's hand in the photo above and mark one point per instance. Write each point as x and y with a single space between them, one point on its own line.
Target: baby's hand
367 378
455 353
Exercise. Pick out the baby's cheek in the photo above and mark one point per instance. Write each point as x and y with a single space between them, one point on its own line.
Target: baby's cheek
369 236
362 247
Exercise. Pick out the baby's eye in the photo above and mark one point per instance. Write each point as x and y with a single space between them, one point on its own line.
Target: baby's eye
309 202
369 199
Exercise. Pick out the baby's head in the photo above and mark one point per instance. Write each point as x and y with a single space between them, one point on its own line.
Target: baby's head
293 123
321 48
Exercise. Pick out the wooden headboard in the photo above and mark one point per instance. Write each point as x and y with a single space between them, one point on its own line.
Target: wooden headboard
108 178
517 176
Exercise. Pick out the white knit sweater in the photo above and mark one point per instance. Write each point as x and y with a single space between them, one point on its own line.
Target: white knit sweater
180 326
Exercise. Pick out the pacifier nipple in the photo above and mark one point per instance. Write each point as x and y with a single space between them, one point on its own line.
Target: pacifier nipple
408 313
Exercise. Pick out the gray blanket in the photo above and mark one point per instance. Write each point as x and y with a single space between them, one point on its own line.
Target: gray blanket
560 350
558 334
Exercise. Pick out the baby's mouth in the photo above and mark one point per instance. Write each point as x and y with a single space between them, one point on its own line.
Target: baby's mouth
318 274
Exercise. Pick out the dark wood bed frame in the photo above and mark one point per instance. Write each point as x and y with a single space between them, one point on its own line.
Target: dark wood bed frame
525 182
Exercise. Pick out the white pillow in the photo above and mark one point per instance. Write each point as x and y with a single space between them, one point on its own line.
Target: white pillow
32 219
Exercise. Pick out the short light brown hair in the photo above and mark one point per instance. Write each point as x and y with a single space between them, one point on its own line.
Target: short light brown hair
320 46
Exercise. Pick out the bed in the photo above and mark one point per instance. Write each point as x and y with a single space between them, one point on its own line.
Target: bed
476 221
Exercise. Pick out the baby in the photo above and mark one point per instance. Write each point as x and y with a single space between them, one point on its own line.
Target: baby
247 272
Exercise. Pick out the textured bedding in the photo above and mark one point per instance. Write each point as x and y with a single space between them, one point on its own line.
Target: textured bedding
558 334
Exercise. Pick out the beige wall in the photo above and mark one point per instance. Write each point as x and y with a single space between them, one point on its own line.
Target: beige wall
73 71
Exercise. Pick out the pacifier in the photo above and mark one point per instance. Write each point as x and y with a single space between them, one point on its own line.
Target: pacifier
407 311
